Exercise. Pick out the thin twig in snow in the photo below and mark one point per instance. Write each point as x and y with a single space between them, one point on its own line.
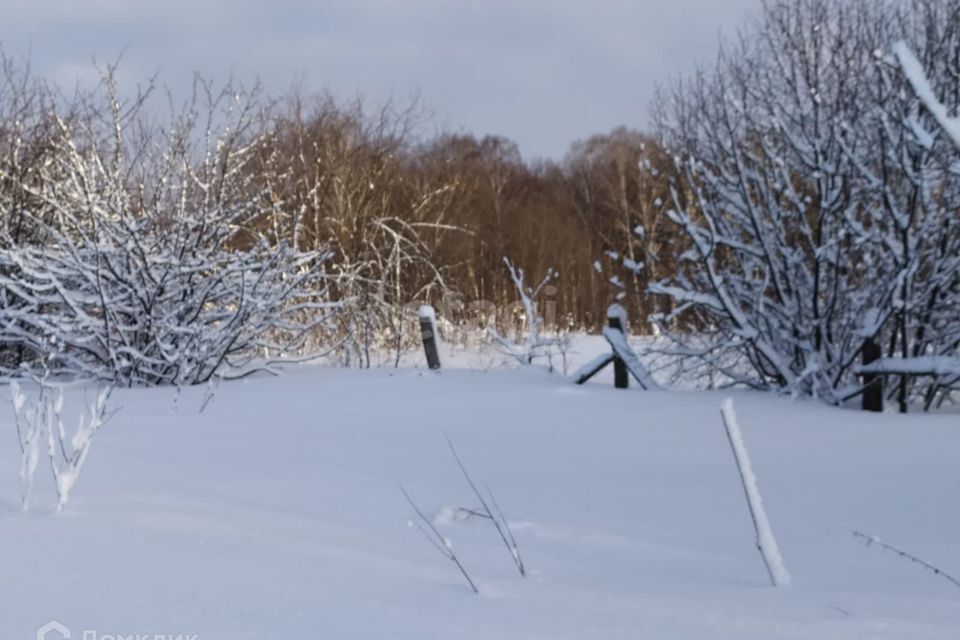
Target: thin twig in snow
469 513
512 546
437 540
503 528
870 540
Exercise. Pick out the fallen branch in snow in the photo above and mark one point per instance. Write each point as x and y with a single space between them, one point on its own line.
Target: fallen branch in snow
592 368
766 542
495 515
871 540
435 538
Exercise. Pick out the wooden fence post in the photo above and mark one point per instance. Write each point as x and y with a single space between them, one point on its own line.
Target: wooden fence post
872 382
617 319
428 331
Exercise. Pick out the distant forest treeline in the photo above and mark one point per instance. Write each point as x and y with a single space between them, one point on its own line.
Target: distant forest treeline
130 242
463 203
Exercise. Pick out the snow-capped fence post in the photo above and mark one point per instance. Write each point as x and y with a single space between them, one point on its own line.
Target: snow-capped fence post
617 320
872 382
428 330
766 543
625 361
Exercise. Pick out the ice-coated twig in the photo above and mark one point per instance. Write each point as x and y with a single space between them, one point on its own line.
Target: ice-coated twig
871 540
512 545
495 515
470 513
40 423
74 454
212 385
535 344
437 539
30 421
766 542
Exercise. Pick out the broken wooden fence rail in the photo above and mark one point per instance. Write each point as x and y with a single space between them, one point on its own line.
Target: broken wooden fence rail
625 361
874 369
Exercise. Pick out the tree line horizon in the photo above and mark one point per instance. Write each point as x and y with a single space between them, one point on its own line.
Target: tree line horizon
787 203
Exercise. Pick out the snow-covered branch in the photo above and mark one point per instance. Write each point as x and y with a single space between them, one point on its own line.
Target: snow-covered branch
144 263
40 424
766 542
914 72
535 344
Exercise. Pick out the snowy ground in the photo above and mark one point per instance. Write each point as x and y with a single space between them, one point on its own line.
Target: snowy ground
276 514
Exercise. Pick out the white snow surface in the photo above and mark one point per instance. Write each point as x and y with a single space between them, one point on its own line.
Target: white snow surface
276 514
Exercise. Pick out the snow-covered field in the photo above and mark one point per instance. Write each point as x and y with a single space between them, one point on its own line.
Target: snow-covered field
276 514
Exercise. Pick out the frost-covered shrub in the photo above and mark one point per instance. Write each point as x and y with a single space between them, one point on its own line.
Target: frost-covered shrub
153 256
818 199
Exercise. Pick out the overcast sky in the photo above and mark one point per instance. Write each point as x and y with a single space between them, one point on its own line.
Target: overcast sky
542 72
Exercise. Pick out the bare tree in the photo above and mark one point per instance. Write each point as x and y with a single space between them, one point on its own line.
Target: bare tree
351 180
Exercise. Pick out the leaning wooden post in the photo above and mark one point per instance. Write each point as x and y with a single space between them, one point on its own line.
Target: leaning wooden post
872 382
617 319
428 330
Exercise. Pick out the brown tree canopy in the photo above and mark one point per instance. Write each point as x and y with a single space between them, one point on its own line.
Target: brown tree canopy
355 178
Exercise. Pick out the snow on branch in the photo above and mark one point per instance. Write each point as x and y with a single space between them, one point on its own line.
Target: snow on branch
816 214
920 366
146 262
535 344
40 423
914 73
